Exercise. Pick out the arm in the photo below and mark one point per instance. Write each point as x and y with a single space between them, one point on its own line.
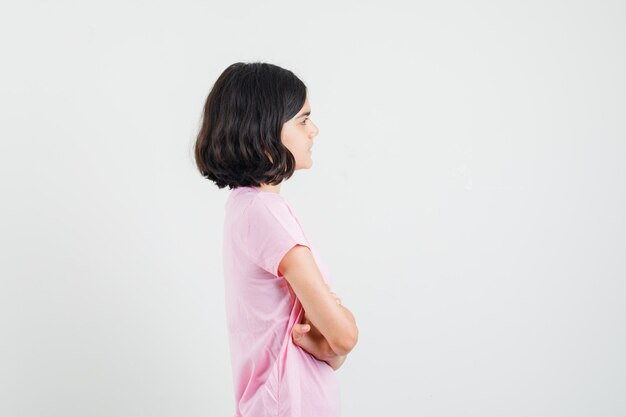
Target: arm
335 322
336 363
311 340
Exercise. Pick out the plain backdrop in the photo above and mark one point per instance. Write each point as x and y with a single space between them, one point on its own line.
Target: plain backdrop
468 194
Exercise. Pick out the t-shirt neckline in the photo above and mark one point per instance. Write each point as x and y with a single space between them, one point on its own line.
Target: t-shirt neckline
258 190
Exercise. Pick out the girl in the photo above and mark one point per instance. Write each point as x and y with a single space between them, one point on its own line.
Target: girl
288 332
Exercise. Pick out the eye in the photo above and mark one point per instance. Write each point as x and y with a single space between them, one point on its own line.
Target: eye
304 122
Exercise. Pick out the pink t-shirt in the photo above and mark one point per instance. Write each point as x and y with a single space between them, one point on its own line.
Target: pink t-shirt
272 375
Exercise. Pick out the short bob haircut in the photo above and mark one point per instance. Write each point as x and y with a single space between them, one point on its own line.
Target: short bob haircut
239 142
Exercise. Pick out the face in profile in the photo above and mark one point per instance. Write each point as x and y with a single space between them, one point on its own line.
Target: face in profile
297 135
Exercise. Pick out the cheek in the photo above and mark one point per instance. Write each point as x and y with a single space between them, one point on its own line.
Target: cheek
290 141
295 140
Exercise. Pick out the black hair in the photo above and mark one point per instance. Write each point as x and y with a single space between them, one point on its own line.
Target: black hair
239 140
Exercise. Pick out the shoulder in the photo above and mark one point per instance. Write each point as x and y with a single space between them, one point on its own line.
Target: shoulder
268 204
270 211
270 231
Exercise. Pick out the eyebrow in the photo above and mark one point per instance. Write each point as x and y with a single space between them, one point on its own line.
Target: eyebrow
304 114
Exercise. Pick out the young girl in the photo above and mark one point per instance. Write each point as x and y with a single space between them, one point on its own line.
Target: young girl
288 332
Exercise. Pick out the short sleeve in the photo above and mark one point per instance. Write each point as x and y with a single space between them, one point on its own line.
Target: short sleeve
272 231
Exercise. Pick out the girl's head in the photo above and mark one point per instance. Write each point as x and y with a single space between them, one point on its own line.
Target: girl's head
256 127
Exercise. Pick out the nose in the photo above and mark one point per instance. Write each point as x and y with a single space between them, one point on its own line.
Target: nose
314 132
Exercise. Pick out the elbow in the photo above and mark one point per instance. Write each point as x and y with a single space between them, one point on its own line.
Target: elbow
348 343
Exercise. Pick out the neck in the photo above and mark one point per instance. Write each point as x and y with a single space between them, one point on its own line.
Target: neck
271 188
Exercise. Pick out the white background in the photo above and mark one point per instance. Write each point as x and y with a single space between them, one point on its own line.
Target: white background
468 193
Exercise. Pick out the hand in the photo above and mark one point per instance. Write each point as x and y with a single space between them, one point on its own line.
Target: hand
309 338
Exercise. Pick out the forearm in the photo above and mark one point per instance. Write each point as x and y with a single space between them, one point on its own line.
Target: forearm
317 345
327 354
